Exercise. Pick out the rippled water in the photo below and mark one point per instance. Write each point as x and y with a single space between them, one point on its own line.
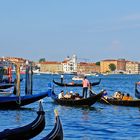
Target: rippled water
96 122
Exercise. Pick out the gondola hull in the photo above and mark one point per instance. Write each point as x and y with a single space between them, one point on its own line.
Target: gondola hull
5 85
137 93
75 84
131 103
80 102
16 102
28 131
57 132
112 101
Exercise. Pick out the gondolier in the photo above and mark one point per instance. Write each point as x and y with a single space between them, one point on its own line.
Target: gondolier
62 77
86 84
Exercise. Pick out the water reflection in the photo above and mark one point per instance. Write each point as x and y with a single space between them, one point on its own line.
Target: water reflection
18 116
85 115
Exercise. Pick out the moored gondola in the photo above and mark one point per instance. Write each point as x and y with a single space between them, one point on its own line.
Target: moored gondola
72 84
27 131
137 93
12 82
10 102
7 92
77 102
57 132
6 85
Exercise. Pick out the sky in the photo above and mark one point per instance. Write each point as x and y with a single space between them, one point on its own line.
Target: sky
94 30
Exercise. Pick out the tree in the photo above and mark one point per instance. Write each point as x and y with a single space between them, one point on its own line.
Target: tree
112 67
98 63
42 60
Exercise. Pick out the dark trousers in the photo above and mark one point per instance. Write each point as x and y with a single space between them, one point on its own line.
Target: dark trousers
85 89
61 80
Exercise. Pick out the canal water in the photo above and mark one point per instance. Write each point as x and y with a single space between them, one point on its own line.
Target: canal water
96 122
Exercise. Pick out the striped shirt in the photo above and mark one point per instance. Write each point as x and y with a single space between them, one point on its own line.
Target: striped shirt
85 83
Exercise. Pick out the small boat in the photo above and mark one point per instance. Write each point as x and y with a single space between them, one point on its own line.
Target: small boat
28 131
57 132
78 78
6 85
137 93
119 102
72 84
77 102
10 102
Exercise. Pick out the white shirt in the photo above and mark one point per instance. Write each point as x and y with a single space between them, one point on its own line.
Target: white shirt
60 95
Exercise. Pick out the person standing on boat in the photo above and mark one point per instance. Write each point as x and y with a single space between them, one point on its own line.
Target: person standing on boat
86 84
62 78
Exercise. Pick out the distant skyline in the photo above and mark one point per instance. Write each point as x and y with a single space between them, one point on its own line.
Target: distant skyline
54 29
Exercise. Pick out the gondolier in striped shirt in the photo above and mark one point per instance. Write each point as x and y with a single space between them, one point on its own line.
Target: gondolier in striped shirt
86 84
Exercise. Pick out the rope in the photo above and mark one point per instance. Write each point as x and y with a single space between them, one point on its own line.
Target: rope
19 100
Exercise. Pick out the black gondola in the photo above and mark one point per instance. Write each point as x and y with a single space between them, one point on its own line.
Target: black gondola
132 103
27 131
74 84
18 101
77 102
118 102
57 132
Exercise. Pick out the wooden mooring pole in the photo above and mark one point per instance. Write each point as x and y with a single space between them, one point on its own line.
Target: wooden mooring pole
18 79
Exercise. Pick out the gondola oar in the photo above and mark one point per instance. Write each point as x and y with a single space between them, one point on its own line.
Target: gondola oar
101 98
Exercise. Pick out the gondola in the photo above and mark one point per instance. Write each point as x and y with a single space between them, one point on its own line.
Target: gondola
6 85
18 101
77 102
118 102
74 84
27 131
57 132
12 82
131 103
137 93
7 92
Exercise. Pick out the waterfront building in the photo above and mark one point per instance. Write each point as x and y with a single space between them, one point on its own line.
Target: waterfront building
70 65
88 68
120 65
51 67
132 67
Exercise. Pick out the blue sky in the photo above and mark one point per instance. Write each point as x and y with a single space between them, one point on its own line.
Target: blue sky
54 29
